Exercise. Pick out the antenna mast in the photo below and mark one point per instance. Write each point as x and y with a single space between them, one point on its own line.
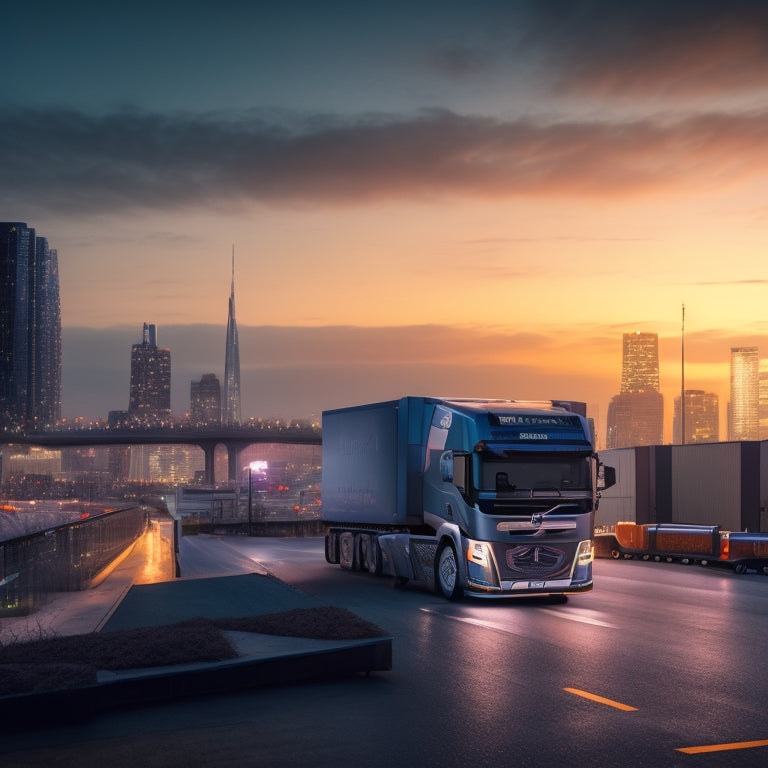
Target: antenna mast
682 381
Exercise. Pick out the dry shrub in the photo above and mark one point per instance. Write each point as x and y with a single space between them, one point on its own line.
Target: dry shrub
71 661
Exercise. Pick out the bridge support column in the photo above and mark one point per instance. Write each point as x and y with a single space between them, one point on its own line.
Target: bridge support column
233 460
209 451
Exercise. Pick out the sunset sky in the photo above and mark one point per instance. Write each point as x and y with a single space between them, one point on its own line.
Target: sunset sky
443 198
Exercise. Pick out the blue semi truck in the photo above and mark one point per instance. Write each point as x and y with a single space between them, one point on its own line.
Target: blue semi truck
490 498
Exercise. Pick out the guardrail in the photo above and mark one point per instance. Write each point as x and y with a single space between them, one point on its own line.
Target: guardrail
64 558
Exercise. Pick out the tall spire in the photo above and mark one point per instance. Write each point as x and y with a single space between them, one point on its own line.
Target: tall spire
231 406
232 294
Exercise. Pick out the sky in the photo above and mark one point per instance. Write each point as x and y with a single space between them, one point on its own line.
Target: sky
438 198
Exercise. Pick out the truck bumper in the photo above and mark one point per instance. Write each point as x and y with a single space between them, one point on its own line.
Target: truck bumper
517 588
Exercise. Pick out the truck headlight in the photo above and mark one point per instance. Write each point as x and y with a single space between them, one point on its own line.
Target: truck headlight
477 552
585 554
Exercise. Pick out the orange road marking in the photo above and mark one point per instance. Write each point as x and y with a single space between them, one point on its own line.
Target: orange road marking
723 747
601 700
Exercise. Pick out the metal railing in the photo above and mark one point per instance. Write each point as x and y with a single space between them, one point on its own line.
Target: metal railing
64 558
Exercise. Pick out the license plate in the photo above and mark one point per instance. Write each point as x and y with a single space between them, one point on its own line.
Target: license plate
536 584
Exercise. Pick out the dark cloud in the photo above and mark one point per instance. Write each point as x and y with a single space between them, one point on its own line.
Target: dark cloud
72 162
460 60
653 48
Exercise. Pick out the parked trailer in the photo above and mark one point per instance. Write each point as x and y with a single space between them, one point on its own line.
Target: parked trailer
703 544
747 551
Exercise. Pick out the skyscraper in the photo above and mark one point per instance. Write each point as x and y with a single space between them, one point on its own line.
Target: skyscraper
231 406
636 414
743 409
640 362
46 310
205 401
763 398
150 396
702 417
30 329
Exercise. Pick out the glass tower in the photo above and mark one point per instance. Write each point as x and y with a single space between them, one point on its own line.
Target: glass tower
231 406
636 414
702 417
30 329
743 410
205 401
150 396
640 362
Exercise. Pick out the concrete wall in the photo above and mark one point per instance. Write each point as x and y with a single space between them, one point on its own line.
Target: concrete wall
618 502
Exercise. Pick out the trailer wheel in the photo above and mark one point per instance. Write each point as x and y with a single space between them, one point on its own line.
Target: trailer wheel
331 548
370 554
740 567
447 571
615 554
347 554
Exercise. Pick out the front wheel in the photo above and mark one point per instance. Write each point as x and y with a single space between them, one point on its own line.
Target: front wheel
447 572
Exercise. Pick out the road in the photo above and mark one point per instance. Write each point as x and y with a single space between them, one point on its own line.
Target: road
659 658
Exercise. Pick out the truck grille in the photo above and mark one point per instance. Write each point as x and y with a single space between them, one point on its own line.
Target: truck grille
535 560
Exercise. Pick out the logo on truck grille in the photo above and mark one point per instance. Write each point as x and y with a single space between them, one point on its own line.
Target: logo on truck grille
534 559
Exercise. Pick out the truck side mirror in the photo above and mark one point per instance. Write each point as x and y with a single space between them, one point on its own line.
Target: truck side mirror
446 466
609 477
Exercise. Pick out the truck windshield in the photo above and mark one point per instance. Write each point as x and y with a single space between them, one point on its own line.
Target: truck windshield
545 473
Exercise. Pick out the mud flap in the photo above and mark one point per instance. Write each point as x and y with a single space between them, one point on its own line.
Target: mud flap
410 557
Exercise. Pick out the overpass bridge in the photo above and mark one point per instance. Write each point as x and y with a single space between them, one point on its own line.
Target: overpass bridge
234 439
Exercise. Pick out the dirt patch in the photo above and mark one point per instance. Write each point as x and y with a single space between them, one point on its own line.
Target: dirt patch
72 661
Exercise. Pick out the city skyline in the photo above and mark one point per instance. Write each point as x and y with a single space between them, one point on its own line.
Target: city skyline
478 201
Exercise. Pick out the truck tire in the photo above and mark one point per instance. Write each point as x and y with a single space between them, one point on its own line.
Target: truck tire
447 571
347 553
370 554
331 548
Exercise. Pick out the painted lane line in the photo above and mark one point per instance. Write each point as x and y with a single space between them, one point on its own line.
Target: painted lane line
473 622
578 617
723 747
601 700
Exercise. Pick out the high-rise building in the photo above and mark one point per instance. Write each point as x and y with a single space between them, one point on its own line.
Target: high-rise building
46 383
635 418
640 362
743 409
205 401
702 417
762 399
150 396
636 414
30 329
230 415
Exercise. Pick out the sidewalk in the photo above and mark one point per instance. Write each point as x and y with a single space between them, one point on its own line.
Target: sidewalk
119 603
77 613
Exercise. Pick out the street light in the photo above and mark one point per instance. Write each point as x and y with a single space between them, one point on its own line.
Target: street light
250 499
254 465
